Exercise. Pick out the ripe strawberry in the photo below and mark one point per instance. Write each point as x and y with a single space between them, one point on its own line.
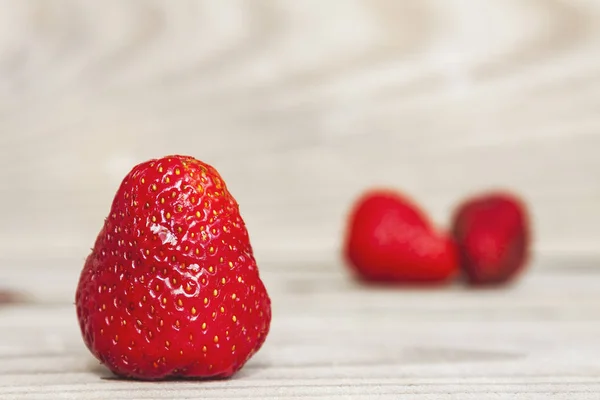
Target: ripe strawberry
390 240
171 288
492 232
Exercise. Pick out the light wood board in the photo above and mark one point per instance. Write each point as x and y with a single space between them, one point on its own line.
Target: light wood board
333 338
300 105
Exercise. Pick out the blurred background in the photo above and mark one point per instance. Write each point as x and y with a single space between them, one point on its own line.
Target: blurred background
300 105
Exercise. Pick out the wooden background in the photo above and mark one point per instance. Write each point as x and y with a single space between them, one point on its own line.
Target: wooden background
301 105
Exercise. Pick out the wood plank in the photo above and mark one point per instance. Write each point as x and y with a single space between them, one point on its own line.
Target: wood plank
437 98
336 339
301 105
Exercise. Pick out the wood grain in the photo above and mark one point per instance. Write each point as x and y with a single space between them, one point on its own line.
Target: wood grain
332 338
300 105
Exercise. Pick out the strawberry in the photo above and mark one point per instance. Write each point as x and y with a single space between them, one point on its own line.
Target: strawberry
492 232
389 239
171 287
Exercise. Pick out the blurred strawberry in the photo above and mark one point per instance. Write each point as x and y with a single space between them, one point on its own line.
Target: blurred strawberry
389 239
493 237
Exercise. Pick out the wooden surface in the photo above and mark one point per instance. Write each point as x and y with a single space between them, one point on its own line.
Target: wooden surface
301 105
332 338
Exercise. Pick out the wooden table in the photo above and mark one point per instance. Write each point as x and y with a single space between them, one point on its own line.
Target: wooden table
333 338
301 104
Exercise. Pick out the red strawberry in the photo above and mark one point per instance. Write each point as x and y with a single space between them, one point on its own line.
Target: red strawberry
492 232
389 239
171 288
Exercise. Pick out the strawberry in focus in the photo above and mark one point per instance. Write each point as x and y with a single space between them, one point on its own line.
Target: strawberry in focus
389 239
492 233
171 287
